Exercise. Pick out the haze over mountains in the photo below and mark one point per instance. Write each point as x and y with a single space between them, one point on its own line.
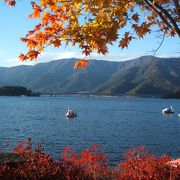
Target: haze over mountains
146 75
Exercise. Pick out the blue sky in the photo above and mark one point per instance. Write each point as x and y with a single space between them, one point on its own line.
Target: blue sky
15 24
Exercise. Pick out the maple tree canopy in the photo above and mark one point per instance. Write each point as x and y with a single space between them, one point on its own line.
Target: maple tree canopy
94 24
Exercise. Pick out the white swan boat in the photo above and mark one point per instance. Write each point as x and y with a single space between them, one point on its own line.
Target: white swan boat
168 110
70 113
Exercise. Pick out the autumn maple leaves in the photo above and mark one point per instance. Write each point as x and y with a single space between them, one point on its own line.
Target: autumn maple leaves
93 25
82 63
10 2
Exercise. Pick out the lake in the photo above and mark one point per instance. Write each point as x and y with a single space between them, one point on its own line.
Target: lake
115 123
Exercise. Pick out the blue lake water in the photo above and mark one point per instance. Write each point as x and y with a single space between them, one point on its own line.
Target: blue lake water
116 124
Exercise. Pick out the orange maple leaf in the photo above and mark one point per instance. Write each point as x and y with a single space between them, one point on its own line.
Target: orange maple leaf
82 63
30 32
22 57
32 54
126 40
37 11
87 50
31 43
56 43
12 3
142 29
24 39
135 17
173 34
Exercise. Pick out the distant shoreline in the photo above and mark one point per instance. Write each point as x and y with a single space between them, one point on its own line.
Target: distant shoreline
17 91
88 95
23 91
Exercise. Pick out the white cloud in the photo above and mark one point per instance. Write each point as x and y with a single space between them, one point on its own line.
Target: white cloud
49 56
114 57
12 62
44 57
55 55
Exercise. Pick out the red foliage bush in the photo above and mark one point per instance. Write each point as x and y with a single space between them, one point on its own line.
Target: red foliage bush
34 164
88 165
139 164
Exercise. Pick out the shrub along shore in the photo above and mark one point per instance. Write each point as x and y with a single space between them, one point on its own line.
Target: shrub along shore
24 162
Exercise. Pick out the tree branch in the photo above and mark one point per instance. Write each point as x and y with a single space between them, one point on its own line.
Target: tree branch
176 4
155 7
169 17
155 51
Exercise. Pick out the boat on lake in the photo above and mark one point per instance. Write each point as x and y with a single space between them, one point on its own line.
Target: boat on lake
168 110
70 113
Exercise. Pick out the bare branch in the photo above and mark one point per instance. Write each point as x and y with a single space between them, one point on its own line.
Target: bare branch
155 51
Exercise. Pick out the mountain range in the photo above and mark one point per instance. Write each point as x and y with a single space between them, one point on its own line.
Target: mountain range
147 75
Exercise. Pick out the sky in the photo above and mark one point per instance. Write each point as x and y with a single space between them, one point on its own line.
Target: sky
15 23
